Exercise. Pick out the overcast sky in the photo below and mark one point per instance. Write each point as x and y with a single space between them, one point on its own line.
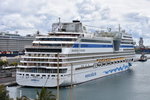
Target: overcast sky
27 16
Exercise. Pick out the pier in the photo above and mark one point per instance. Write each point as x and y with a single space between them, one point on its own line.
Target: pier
8 76
8 81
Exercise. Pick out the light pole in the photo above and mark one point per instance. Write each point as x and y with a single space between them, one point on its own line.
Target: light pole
57 76
71 85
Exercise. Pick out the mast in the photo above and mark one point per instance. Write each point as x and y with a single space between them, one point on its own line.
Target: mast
119 27
59 20
59 25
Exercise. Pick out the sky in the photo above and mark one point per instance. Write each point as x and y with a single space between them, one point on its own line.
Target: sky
28 16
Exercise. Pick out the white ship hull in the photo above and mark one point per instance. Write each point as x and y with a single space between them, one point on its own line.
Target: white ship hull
65 79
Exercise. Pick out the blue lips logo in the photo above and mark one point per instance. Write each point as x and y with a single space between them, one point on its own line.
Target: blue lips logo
117 69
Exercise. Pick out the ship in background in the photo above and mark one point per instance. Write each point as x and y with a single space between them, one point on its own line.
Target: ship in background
72 55
141 49
13 44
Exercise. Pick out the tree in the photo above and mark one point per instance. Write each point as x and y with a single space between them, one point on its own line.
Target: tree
23 98
14 64
5 63
3 93
1 63
45 94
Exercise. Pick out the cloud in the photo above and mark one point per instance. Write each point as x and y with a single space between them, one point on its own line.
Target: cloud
140 22
136 17
90 10
31 15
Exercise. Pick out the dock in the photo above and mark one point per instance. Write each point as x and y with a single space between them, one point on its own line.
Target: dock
8 76
8 81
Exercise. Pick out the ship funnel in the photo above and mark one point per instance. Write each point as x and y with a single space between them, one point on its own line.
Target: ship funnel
75 21
117 41
116 44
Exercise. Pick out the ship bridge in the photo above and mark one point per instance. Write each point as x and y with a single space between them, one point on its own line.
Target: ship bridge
75 26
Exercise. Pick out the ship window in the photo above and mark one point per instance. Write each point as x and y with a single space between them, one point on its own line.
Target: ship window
54 70
64 45
99 64
32 74
42 70
42 50
127 36
99 41
48 55
108 63
103 64
127 42
53 76
54 39
62 70
50 44
37 75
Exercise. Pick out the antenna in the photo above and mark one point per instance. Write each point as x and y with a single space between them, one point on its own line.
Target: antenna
59 20
38 32
119 27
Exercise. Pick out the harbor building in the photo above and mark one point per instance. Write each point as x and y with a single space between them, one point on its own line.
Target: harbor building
13 43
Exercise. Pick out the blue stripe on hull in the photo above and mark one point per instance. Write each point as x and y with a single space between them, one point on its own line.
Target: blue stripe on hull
98 46
92 46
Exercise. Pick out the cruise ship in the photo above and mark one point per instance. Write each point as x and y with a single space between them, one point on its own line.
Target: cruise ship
72 55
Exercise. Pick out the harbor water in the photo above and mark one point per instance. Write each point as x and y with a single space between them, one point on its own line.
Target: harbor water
133 84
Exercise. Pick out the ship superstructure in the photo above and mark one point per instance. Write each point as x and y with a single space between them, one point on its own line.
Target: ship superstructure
81 56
